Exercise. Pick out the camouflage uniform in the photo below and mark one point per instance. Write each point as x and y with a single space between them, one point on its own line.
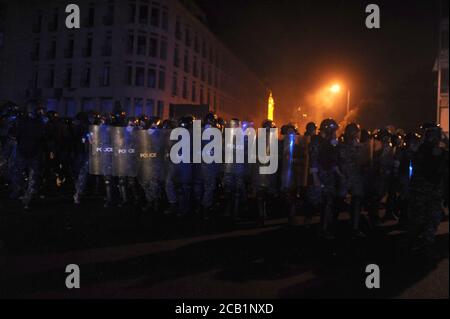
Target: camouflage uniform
426 192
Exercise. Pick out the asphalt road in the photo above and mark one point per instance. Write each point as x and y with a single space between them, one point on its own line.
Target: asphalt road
125 254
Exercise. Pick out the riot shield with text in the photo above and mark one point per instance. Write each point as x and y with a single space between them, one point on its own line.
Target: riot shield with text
150 153
101 150
124 155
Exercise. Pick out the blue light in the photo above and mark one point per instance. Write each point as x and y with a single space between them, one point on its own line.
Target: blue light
410 169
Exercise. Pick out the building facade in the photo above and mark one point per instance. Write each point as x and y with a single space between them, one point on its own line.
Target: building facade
441 68
146 54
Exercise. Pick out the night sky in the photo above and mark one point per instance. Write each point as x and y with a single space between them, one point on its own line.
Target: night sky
298 47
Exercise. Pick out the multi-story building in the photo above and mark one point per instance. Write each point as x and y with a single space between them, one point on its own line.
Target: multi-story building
441 68
148 55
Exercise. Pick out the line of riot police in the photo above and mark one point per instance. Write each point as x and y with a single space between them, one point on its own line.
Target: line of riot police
318 171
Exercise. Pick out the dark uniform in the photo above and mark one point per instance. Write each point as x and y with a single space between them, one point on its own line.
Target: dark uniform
324 167
80 149
426 188
30 150
351 180
206 175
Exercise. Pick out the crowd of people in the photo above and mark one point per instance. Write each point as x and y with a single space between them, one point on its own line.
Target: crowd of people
325 170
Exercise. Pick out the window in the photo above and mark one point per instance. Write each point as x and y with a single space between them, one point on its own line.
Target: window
140 74
87 104
185 92
68 78
155 17
128 109
131 13
151 78
194 92
52 52
178 29
70 107
129 75
204 51
209 75
153 49
91 17
174 84
162 80
107 47
186 61
35 79
106 75
444 80
37 25
444 39
34 53
163 50
53 24
130 44
195 67
109 18
106 105
196 44
149 107
138 106
176 57
165 20
160 110
202 75
87 51
68 52
141 45
188 37
86 78
202 101
143 14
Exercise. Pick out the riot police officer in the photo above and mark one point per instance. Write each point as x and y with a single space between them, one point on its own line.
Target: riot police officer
290 169
324 168
206 174
381 174
150 177
178 183
30 150
425 192
265 184
351 180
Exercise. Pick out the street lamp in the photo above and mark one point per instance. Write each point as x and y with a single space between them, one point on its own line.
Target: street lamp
336 88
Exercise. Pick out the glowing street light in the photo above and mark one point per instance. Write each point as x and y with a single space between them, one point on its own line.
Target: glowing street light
336 88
